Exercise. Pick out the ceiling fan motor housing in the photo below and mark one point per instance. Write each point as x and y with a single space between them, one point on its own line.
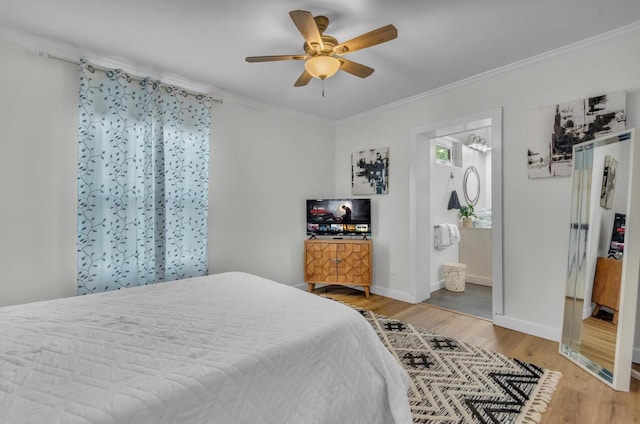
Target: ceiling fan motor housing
328 43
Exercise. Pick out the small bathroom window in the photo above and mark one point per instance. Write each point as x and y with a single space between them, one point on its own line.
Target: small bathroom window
444 154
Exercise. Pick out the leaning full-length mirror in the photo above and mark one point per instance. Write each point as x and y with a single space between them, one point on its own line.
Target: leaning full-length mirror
604 255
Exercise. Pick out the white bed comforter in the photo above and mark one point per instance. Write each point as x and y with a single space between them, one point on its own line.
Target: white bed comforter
227 348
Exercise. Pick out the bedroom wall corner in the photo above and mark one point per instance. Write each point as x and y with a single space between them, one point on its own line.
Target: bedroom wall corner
38 162
263 167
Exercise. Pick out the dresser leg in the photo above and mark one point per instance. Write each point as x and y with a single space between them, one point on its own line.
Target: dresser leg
366 292
310 287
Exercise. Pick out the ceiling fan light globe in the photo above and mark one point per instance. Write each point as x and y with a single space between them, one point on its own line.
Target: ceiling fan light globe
322 67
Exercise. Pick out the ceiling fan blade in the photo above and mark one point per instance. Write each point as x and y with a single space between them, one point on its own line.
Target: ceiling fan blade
355 68
307 26
377 36
274 58
303 79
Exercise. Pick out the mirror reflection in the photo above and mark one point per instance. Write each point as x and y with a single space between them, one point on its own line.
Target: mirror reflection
599 208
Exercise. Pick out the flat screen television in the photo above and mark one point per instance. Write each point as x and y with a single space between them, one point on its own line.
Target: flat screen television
339 217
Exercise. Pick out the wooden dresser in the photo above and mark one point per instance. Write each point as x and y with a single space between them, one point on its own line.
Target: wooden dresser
344 261
606 286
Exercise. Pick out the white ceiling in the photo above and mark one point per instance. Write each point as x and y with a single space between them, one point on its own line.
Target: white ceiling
205 42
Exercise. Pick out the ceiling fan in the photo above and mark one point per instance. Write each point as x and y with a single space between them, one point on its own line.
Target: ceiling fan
323 53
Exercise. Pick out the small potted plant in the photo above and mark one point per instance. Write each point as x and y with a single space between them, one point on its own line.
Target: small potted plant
467 213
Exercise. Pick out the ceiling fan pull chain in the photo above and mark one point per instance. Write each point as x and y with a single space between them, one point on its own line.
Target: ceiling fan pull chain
322 88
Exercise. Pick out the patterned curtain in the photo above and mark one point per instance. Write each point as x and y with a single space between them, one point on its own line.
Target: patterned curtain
143 159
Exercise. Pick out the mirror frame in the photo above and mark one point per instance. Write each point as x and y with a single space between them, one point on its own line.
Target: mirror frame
471 170
621 377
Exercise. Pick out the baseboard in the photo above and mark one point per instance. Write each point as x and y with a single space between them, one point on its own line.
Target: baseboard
393 294
538 330
301 286
587 311
382 291
435 286
543 331
479 280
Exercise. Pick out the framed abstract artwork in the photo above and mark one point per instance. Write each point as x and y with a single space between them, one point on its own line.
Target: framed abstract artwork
370 171
554 130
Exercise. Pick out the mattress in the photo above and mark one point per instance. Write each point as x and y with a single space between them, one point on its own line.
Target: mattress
225 348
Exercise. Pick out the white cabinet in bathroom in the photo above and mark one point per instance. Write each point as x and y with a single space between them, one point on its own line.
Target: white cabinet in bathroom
474 250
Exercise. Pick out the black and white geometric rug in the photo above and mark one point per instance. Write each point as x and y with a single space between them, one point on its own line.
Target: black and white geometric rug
454 382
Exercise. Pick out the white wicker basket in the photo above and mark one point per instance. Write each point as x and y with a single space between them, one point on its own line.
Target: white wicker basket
454 276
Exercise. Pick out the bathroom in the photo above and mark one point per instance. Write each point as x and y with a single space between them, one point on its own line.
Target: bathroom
461 176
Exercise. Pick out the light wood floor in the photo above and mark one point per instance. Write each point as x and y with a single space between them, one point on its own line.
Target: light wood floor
598 341
579 398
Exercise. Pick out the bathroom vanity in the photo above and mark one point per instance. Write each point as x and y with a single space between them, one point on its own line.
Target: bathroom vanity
474 250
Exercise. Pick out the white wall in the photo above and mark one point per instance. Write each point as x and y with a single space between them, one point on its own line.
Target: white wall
263 167
536 212
271 162
38 162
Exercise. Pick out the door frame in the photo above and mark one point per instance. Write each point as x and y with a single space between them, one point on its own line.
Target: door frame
420 225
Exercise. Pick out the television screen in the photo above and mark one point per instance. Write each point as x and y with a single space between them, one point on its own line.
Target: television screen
338 217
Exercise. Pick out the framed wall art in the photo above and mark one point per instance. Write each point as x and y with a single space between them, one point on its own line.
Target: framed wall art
554 130
370 171
608 182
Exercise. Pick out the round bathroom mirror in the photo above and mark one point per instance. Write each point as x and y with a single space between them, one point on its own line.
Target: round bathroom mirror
471 185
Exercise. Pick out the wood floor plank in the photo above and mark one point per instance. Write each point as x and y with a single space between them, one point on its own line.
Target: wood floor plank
579 398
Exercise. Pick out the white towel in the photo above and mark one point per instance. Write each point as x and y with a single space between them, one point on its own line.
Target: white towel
454 233
441 237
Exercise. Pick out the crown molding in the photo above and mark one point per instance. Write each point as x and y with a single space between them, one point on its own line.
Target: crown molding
616 33
69 53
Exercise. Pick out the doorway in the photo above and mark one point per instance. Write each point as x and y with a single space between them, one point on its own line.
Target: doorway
425 272
468 175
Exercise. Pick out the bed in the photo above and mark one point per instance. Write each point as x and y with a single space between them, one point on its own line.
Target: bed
225 348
